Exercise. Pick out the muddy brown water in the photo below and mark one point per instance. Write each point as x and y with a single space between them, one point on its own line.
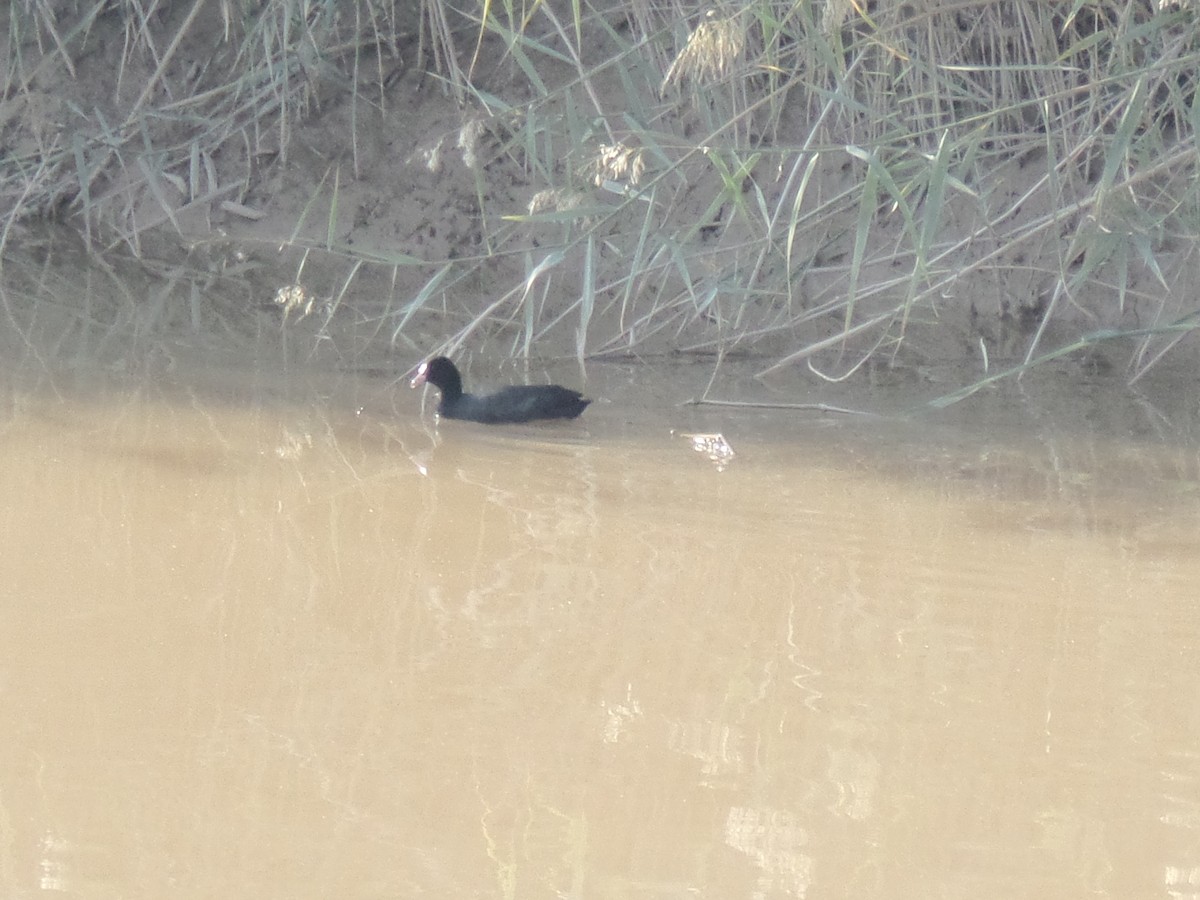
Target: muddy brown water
278 634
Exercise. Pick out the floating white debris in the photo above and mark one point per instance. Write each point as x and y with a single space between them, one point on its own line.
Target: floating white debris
714 446
294 297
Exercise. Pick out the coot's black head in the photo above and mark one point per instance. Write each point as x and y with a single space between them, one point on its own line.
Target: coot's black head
442 374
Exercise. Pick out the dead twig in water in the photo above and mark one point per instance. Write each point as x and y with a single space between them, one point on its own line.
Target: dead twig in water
762 404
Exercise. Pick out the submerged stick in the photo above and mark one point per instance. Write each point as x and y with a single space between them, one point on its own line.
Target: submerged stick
763 404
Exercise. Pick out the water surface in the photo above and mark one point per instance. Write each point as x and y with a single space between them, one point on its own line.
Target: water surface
275 633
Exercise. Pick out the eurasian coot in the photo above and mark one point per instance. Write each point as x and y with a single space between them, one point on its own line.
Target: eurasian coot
519 403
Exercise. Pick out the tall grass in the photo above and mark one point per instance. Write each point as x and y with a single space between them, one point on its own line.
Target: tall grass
813 182
817 184
187 84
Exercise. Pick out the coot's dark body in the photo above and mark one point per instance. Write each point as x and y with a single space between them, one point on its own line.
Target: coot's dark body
519 403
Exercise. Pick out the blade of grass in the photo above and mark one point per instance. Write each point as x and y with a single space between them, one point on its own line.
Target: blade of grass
418 302
868 202
587 298
331 219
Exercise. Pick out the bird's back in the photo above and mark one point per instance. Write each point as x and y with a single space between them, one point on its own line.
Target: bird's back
518 403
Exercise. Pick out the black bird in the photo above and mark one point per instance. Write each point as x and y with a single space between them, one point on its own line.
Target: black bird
517 403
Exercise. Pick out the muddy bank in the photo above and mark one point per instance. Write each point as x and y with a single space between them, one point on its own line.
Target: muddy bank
387 210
